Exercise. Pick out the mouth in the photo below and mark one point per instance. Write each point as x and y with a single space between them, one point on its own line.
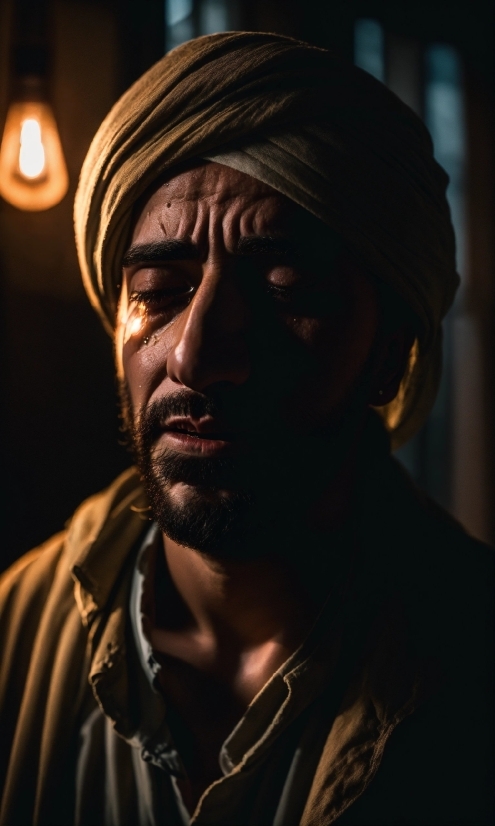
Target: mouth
199 436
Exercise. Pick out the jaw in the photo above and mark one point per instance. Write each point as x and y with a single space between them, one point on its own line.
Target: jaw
226 521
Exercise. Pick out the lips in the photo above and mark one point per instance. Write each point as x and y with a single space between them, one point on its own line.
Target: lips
199 436
205 428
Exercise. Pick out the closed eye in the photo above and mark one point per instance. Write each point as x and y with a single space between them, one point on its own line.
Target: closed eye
152 299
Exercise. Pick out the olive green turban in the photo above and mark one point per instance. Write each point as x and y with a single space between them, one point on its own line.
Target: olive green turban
318 130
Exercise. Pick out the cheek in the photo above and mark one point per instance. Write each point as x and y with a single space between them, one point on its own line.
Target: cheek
144 368
339 349
141 354
344 348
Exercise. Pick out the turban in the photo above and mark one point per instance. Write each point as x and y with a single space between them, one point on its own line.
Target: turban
320 131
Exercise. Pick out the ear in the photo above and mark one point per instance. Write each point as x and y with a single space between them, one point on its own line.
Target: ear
391 357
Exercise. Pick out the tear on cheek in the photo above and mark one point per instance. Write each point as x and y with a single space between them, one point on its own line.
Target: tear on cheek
132 324
134 327
131 328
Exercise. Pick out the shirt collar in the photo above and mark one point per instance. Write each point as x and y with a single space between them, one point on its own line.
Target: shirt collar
100 537
292 688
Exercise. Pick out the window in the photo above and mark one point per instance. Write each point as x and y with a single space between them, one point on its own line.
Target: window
446 457
185 19
369 49
179 22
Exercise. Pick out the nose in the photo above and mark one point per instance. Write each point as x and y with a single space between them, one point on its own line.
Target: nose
209 344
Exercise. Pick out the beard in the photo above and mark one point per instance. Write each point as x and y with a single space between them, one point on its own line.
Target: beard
218 519
241 506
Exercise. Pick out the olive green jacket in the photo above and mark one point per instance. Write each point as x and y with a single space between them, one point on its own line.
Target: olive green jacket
411 741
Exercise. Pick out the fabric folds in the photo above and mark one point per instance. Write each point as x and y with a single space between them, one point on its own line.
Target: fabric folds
322 132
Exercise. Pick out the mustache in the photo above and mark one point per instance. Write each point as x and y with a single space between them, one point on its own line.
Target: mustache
186 403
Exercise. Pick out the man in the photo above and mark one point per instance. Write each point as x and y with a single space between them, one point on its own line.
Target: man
266 623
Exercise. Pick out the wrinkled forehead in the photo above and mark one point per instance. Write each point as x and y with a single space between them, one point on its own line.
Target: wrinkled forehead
202 178
189 200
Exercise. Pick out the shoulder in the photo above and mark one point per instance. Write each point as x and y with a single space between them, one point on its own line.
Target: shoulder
433 645
442 578
27 581
26 586
447 578
441 543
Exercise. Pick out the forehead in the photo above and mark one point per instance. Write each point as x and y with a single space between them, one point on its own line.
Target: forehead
192 195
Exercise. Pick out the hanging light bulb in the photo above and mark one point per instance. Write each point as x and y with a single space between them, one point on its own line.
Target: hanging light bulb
33 173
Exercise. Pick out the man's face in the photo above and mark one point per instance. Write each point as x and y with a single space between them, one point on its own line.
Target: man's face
243 343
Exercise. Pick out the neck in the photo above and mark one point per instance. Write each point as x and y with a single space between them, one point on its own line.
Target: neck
250 601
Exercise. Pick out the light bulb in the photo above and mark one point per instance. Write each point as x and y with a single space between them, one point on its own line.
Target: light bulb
33 173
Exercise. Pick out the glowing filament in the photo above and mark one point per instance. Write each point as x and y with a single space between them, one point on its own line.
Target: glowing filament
32 152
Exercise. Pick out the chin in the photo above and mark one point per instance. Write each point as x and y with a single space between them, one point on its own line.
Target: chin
187 496
217 519
221 524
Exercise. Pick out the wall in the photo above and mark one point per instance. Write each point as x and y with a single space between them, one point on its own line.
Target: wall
59 437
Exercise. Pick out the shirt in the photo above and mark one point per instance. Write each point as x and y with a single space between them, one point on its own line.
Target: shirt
268 761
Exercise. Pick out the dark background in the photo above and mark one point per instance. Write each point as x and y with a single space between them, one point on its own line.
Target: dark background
59 435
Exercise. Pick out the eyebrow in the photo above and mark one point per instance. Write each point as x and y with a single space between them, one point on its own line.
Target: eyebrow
166 250
277 246
175 249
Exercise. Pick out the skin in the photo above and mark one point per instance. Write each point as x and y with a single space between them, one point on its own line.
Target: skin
228 624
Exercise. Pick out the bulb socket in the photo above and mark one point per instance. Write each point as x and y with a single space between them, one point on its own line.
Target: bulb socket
30 59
